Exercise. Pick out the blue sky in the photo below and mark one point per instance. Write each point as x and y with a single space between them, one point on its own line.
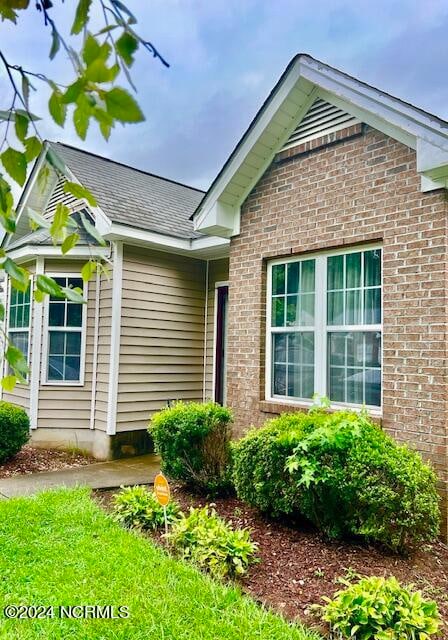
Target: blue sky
226 55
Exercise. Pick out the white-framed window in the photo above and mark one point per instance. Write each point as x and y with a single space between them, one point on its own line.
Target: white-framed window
324 327
19 320
65 336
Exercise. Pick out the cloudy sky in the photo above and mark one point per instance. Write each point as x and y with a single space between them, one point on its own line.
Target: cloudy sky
225 56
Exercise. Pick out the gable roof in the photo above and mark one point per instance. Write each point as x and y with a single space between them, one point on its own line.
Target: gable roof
134 197
304 81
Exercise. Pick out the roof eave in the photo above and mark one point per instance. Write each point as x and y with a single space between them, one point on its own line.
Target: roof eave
303 81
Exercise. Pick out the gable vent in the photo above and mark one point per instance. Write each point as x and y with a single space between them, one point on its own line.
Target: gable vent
321 118
59 195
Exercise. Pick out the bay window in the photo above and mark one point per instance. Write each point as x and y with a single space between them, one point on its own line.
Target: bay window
324 327
65 336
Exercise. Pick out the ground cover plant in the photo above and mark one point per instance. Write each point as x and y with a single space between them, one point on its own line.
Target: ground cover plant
341 472
211 543
61 548
14 430
138 507
193 440
376 608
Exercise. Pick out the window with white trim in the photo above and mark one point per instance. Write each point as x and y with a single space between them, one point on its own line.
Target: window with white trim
19 318
66 324
325 327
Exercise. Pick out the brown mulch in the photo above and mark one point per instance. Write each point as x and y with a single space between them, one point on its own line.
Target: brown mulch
298 565
33 460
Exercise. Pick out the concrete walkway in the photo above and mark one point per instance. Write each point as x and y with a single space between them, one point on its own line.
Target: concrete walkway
100 475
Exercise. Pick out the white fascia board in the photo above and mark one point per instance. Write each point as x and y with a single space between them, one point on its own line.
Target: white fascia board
78 253
140 237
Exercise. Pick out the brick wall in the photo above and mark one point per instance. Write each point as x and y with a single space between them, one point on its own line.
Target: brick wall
354 189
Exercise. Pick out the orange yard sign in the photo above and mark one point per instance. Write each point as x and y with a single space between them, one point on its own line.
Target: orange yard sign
162 489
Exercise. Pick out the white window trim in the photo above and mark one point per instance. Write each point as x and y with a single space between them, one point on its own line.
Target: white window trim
44 371
19 329
320 328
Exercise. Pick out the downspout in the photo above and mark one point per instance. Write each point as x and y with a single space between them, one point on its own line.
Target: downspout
95 349
204 381
37 315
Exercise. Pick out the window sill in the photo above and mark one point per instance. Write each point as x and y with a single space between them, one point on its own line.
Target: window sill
279 406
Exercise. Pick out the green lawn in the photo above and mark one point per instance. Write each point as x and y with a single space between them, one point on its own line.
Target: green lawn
60 548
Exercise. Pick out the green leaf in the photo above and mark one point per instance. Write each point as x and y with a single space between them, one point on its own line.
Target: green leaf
69 242
81 16
126 46
81 120
15 164
123 7
27 114
91 230
105 121
122 106
19 276
9 382
48 285
73 91
36 221
6 199
2 312
21 126
55 43
98 71
74 295
33 147
39 296
57 108
80 192
59 223
55 162
88 270
91 49
17 360
26 89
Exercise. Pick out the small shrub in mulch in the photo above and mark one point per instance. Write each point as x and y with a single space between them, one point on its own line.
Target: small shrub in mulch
342 473
137 507
14 430
193 440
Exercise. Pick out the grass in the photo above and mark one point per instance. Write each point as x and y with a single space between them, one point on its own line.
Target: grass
60 548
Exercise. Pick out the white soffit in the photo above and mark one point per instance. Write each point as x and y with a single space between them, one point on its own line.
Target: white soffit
306 82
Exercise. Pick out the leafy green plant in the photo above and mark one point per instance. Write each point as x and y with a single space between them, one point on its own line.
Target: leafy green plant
137 507
381 609
211 543
14 430
193 440
343 473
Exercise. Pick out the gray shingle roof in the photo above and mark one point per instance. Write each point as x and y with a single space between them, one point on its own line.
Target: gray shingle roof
133 197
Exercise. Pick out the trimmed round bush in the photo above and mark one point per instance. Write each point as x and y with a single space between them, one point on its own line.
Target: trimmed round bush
376 608
193 440
341 472
14 430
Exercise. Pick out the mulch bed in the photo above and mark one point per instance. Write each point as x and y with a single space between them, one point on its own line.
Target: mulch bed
34 460
298 565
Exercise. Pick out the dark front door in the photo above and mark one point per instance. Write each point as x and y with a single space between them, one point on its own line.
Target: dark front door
222 294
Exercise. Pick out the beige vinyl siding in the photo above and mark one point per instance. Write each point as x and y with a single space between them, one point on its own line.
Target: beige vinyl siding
103 357
162 334
21 392
218 271
67 406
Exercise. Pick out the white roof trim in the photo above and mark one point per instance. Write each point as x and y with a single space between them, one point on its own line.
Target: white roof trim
207 246
29 251
305 79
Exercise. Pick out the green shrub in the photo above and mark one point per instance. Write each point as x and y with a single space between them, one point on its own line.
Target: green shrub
14 430
381 609
342 473
137 507
193 440
210 542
